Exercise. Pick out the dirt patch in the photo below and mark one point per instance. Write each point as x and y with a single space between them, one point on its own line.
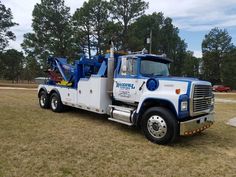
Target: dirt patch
221 100
21 85
16 88
232 122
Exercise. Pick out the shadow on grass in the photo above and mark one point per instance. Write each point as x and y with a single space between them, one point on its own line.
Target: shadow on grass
101 118
206 137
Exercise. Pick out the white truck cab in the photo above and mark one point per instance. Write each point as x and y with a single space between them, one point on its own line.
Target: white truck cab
135 90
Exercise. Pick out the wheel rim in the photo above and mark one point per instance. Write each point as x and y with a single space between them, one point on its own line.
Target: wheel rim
54 103
42 100
156 126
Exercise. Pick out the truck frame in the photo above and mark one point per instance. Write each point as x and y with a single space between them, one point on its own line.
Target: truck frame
132 89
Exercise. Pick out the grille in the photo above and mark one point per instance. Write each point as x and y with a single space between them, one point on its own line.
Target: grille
202 98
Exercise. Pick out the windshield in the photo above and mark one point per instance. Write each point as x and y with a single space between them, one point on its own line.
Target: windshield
153 68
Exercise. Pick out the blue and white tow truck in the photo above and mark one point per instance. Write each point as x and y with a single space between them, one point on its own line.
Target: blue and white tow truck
133 89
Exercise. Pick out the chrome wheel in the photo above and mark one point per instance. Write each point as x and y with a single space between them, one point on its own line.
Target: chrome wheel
42 100
54 103
156 126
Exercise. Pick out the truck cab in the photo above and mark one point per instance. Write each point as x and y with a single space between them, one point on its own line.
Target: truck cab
132 72
135 90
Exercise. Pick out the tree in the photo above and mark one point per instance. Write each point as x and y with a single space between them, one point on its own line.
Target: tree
52 31
178 54
31 69
125 11
99 17
165 38
112 31
139 31
5 24
1 66
191 65
215 46
228 69
83 27
12 64
90 22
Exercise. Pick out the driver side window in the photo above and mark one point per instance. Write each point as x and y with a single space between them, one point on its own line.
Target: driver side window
128 66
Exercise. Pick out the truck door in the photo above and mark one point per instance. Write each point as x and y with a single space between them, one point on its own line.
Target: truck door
126 81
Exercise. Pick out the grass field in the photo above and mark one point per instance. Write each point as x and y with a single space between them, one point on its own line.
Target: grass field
37 142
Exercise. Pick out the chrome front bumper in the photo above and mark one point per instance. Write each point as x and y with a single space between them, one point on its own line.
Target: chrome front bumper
196 125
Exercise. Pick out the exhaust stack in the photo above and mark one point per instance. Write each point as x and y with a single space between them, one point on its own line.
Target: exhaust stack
110 69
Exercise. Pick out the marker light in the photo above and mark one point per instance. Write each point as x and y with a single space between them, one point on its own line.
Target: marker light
212 101
177 91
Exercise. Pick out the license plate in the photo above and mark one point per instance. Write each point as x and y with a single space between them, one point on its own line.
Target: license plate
206 118
202 120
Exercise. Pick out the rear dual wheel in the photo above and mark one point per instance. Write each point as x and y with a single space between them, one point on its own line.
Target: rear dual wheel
44 100
53 101
56 104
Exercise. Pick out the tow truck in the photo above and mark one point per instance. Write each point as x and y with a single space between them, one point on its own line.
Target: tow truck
134 89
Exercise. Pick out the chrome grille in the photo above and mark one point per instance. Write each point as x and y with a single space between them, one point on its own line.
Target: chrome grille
202 95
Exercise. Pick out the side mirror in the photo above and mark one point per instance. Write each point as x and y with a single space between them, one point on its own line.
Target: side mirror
168 66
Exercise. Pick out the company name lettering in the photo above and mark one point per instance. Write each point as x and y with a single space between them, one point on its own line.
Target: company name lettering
125 85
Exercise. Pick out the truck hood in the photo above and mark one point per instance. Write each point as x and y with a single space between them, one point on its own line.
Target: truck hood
189 80
173 78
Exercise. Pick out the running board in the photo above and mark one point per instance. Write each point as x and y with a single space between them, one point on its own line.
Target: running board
120 121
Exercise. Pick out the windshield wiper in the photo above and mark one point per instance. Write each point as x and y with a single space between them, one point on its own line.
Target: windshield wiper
153 75
158 75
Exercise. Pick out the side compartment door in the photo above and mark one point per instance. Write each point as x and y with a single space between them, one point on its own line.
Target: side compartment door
71 96
68 95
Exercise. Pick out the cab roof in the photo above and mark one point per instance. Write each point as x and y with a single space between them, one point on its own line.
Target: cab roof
153 57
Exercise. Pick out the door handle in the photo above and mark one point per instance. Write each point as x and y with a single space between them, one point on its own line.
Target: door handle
140 88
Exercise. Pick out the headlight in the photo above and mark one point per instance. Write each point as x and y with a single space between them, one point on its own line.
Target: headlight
184 105
212 101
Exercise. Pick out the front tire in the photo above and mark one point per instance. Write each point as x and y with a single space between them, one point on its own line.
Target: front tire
159 125
56 104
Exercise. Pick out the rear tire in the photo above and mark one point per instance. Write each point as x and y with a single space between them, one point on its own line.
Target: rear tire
55 103
44 100
159 125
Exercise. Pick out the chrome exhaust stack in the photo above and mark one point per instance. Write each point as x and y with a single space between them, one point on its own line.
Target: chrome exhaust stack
110 70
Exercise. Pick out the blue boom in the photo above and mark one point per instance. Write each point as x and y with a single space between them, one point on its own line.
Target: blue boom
62 73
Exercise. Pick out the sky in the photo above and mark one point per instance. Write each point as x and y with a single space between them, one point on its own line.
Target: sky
194 18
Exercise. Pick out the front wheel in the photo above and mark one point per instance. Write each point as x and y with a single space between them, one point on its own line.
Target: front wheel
159 125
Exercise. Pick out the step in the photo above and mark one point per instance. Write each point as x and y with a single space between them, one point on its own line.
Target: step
120 121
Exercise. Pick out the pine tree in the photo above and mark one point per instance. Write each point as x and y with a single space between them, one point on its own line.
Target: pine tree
6 23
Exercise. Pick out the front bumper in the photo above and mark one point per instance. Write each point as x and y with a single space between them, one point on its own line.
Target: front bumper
196 125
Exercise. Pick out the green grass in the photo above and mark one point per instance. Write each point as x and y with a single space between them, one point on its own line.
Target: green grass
37 142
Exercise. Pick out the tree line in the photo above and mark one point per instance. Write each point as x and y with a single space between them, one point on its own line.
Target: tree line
57 32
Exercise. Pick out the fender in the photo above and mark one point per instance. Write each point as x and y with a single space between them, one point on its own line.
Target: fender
159 100
155 101
42 88
54 90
